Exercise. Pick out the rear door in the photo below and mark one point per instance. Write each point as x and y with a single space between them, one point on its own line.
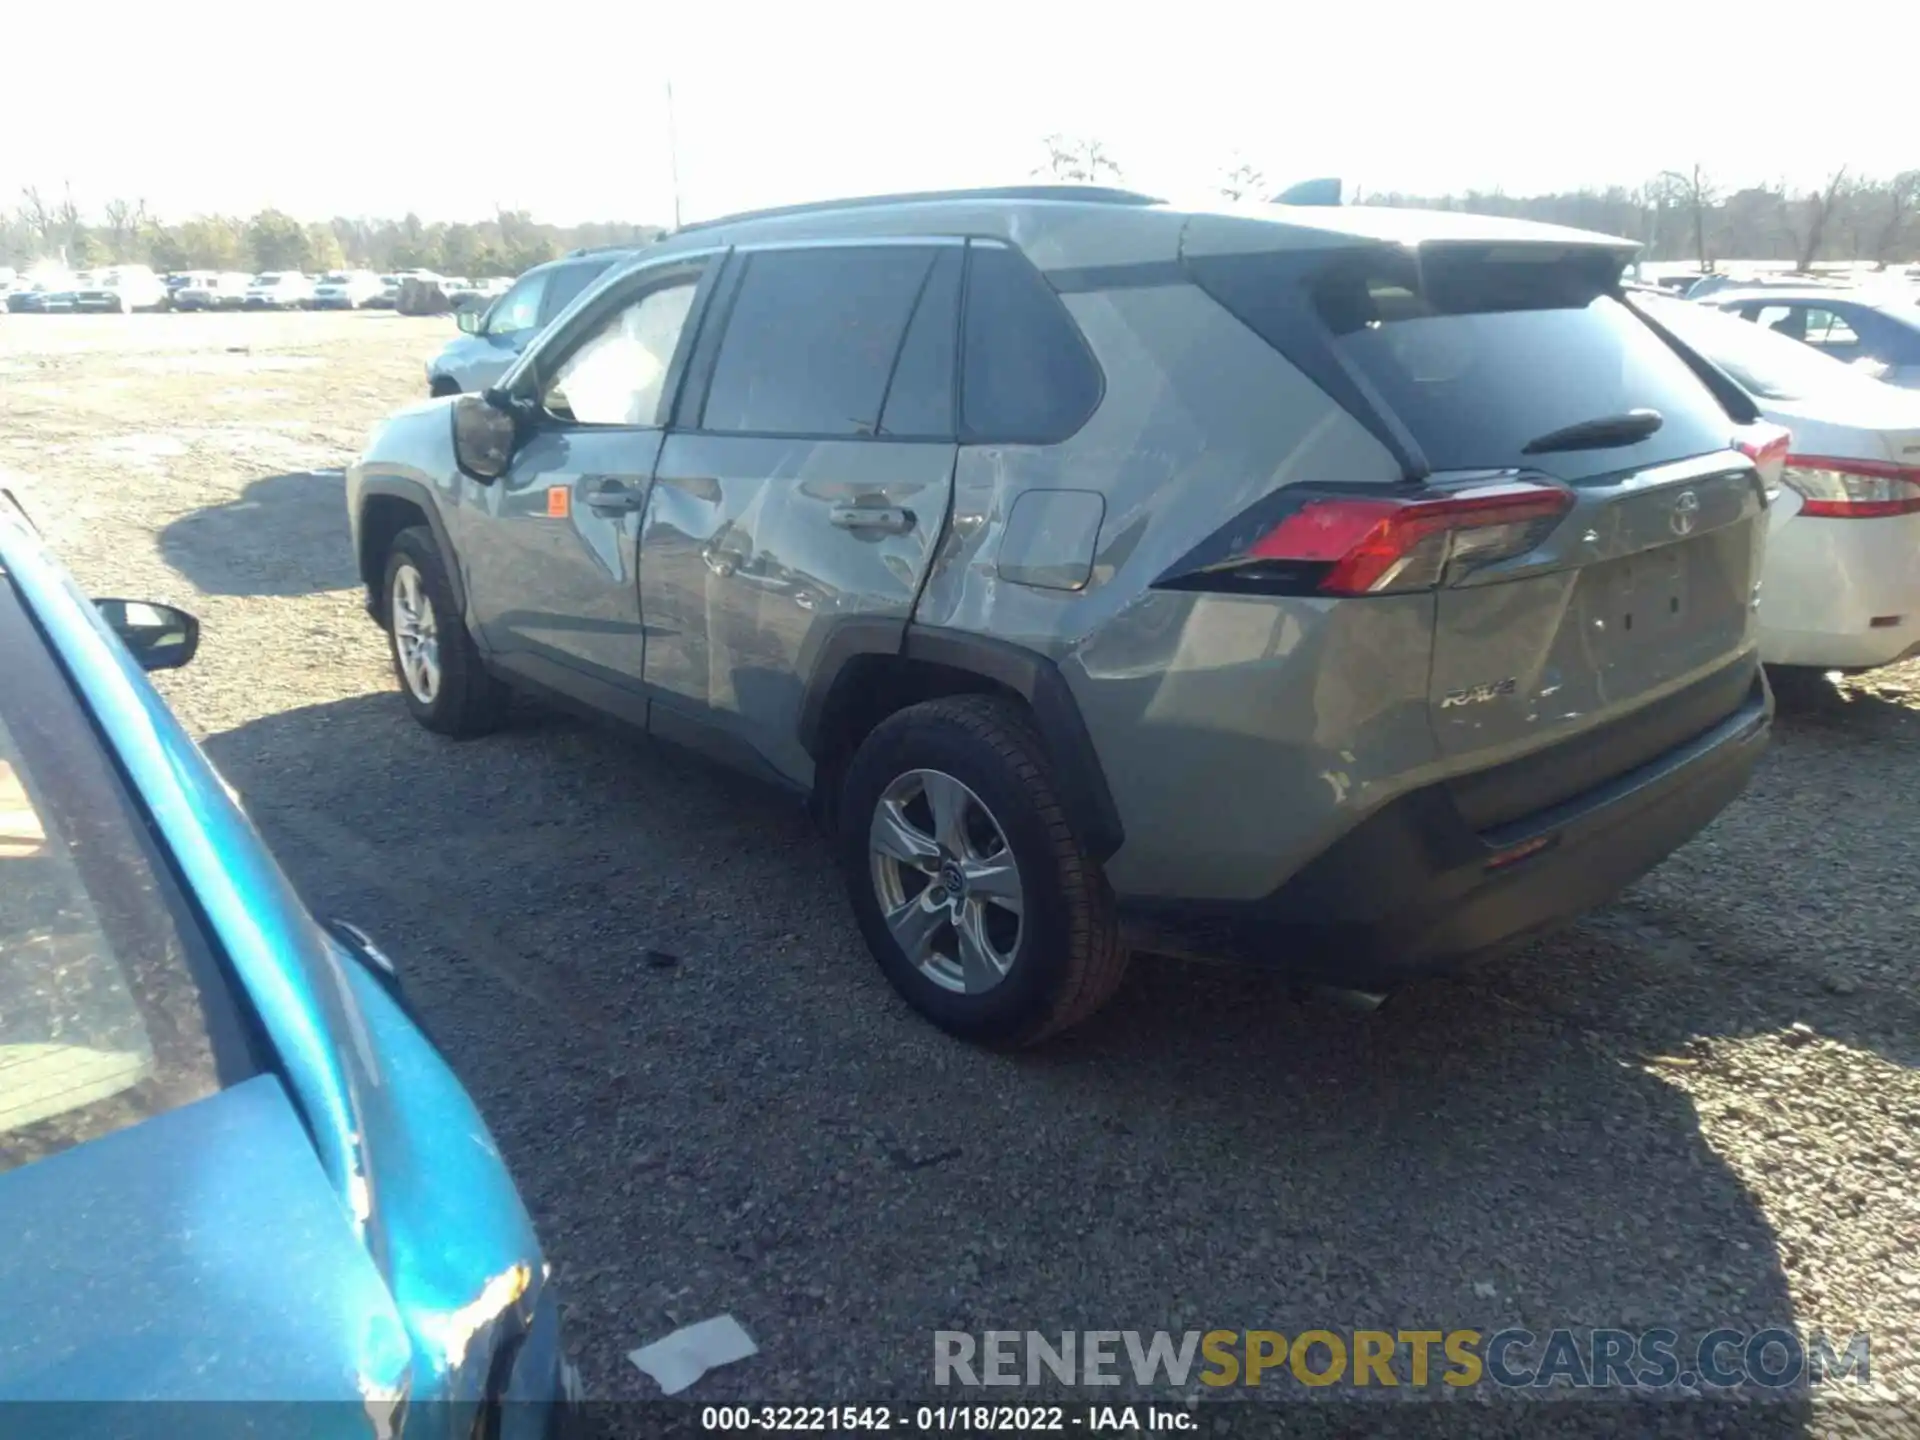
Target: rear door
807 478
551 548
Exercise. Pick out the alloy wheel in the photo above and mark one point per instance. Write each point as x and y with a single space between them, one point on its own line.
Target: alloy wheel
948 884
416 634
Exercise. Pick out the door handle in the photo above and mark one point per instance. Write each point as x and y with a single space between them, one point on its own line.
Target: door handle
613 497
888 519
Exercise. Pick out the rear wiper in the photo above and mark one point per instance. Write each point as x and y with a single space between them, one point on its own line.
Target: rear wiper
1598 434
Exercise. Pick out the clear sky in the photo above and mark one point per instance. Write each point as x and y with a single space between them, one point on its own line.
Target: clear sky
558 107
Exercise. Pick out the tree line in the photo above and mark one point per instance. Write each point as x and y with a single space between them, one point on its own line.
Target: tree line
125 232
1682 214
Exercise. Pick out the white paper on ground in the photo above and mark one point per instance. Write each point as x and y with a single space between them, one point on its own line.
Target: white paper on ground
692 1350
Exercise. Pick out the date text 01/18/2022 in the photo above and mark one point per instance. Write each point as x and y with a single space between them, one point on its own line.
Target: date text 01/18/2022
944 1419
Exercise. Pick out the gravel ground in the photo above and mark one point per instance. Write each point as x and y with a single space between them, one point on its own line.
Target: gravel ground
1696 1108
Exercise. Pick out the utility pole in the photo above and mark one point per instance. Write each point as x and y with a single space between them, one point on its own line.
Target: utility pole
673 155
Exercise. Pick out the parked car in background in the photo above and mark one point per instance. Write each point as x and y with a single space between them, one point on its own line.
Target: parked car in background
1347 589
345 290
492 338
226 290
181 280
31 297
1841 589
58 297
232 1165
279 290
121 290
388 294
1874 330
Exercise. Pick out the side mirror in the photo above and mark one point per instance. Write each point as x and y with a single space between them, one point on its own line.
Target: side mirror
469 319
159 636
484 435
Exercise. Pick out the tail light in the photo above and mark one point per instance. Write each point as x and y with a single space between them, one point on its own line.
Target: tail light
1767 446
1325 543
1842 489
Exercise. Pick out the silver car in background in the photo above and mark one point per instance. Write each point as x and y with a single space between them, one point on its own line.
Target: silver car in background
492 336
1356 591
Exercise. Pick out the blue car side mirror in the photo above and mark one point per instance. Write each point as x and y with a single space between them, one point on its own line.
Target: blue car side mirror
160 637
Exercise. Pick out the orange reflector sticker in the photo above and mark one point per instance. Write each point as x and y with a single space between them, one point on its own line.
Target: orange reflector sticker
1521 851
559 502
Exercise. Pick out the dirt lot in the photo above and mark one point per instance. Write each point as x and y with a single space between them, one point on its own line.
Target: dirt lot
1696 1109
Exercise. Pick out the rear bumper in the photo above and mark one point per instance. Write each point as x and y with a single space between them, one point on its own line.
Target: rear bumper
1414 889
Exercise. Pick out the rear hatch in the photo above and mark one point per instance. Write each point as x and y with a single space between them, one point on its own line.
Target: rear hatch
1511 368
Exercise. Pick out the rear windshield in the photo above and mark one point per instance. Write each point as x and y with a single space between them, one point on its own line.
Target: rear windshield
1477 351
111 1009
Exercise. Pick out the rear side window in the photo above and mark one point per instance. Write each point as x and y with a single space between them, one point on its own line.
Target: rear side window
1027 375
812 339
567 282
1477 353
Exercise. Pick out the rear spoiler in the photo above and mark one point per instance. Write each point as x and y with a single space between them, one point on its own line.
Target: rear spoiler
1310 192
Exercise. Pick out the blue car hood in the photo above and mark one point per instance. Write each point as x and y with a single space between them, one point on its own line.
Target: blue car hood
201 1255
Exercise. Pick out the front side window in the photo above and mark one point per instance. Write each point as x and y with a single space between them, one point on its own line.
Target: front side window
813 338
111 1009
619 375
519 308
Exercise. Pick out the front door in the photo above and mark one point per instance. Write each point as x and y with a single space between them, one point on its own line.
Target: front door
552 554
809 480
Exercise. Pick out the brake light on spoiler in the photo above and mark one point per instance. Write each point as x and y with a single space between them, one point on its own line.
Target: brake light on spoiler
1837 488
1323 542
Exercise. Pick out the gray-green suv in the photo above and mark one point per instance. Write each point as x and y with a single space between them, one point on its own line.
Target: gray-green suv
1351 589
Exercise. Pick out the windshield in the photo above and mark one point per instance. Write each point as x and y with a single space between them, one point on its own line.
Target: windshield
1767 365
109 1009
336 278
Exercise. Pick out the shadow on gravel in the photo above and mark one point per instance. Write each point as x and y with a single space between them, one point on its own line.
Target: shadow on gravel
266 541
1491 1152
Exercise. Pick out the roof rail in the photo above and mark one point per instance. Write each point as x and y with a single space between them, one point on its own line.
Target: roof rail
1084 194
578 251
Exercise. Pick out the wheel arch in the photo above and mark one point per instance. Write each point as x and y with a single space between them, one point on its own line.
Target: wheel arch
867 669
388 505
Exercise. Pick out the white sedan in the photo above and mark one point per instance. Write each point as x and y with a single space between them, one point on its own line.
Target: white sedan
1841 587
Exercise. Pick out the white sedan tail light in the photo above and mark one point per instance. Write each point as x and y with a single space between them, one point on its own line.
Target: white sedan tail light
1838 488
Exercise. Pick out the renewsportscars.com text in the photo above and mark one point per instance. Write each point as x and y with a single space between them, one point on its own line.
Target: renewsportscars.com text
1773 1359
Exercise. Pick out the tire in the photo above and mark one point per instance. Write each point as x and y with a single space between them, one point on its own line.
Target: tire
1061 950
463 700
443 385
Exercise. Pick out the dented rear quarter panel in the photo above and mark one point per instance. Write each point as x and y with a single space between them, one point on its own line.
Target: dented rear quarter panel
418 1178
1239 735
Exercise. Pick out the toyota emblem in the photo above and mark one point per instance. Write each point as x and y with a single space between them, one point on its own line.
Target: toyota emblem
1686 512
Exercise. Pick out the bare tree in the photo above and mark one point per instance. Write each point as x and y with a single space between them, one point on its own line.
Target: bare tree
70 224
1243 180
1076 158
1695 193
1903 193
126 219
36 214
1818 208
